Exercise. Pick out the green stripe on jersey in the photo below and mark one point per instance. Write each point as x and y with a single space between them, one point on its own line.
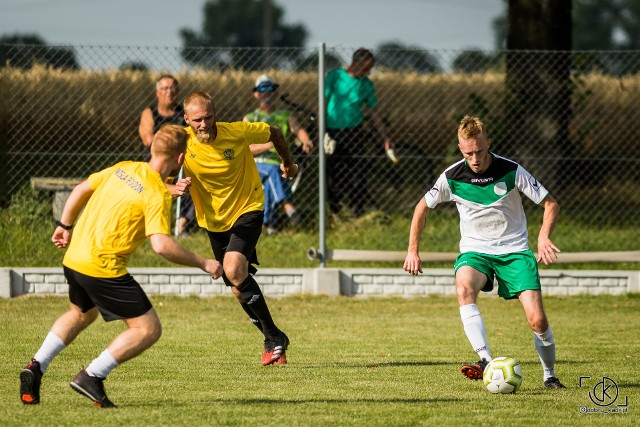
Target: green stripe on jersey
484 194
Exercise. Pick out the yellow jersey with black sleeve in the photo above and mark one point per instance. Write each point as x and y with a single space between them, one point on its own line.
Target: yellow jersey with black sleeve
225 182
129 203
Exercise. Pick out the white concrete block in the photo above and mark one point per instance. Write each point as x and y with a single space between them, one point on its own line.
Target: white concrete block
190 290
167 289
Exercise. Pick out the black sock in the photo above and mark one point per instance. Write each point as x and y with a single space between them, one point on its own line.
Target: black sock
252 316
253 298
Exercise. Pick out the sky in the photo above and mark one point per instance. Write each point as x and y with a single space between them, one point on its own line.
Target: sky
427 24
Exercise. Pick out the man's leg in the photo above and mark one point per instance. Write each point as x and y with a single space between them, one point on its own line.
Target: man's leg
331 174
356 178
142 332
252 317
236 269
248 292
219 244
276 192
237 250
269 196
543 339
63 331
469 282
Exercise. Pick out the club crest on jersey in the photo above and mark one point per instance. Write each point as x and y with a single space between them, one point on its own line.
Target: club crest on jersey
229 154
500 188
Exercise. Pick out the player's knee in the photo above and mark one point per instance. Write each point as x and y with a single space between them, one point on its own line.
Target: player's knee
234 275
156 333
465 294
226 280
153 331
149 326
538 322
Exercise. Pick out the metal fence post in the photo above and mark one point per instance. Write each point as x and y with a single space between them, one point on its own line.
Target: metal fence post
322 176
176 231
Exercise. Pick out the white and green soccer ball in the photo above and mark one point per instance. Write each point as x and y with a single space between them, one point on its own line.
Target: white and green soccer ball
503 375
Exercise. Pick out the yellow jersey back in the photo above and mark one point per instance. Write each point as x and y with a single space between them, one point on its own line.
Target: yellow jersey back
129 203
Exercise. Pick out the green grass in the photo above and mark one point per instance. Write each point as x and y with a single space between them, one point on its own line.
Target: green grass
373 362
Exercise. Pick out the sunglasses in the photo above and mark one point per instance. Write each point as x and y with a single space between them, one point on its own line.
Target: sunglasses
266 89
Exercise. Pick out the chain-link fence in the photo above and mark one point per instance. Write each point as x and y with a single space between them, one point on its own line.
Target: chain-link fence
570 118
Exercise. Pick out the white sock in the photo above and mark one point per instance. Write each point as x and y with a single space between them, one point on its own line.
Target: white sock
474 328
546 348
51 346
102 365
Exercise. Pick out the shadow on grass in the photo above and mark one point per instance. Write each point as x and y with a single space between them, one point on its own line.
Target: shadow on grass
628 385
233 401
395 364
370 365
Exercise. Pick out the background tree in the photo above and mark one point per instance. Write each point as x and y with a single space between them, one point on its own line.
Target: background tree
538 65
26 50
133 65
597 25
241 24
399 57
609 25
473 61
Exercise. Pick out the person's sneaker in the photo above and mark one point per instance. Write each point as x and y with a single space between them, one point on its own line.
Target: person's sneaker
281 361
553 382
93 388
30 379
474 371
265 356
275 350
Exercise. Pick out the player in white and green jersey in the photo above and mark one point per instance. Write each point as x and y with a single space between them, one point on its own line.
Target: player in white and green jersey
493 241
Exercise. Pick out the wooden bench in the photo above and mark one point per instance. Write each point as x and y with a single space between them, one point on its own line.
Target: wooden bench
60 187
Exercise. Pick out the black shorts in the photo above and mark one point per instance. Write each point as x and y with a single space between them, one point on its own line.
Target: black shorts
115 297
241 237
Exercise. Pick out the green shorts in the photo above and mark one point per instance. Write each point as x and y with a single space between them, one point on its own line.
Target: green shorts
515 272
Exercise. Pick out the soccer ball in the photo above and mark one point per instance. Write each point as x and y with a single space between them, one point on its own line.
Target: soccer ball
503 375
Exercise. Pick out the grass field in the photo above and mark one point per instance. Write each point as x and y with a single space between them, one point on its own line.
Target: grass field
365 362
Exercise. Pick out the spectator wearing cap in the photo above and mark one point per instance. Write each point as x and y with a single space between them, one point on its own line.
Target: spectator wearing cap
277 191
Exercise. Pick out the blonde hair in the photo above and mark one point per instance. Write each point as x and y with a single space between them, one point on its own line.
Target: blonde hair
201 98
169 141
472 127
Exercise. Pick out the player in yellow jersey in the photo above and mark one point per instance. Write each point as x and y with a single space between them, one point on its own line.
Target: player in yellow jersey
227 193
123 205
